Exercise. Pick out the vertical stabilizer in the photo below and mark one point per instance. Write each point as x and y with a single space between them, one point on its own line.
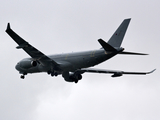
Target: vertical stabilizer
117 37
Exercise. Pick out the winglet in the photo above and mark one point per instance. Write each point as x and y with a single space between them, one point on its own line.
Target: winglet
151 71
8 27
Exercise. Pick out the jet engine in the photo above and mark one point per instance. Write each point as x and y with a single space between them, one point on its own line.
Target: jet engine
28 64
75 77
72 77
34 63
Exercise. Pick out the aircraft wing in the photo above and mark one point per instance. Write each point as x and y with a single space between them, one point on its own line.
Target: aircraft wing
32 51
116 73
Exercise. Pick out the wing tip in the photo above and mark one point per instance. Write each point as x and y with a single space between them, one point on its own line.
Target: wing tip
151 71
8 27
128 19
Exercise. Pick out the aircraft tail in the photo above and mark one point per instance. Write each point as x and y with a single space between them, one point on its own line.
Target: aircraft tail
115 41
117 37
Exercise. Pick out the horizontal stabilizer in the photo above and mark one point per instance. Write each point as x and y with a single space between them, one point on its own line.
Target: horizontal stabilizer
106 46
132 53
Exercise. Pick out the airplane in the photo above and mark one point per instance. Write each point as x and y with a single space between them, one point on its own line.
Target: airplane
72 65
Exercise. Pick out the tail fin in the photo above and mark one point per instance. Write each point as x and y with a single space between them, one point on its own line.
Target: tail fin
117 37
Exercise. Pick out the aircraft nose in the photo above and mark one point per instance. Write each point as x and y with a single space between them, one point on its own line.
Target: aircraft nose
17 66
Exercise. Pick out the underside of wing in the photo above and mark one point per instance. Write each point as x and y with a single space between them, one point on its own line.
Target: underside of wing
115 73
32 51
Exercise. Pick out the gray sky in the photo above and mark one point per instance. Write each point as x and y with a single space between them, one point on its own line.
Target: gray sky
61 26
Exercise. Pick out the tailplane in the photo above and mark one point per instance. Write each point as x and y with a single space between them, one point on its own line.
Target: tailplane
106 46
132 53
117 37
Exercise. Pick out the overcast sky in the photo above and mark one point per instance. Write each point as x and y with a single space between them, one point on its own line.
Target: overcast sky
62 26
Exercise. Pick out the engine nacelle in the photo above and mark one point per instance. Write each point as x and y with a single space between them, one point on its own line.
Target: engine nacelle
28 64
75 76
72 77
34 63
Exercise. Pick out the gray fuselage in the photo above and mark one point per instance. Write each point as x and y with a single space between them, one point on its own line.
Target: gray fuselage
67 62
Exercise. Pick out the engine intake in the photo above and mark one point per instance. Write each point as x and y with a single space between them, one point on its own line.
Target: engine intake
72 77
34 63
75 77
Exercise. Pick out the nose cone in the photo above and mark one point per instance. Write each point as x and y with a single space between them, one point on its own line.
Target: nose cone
17 67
